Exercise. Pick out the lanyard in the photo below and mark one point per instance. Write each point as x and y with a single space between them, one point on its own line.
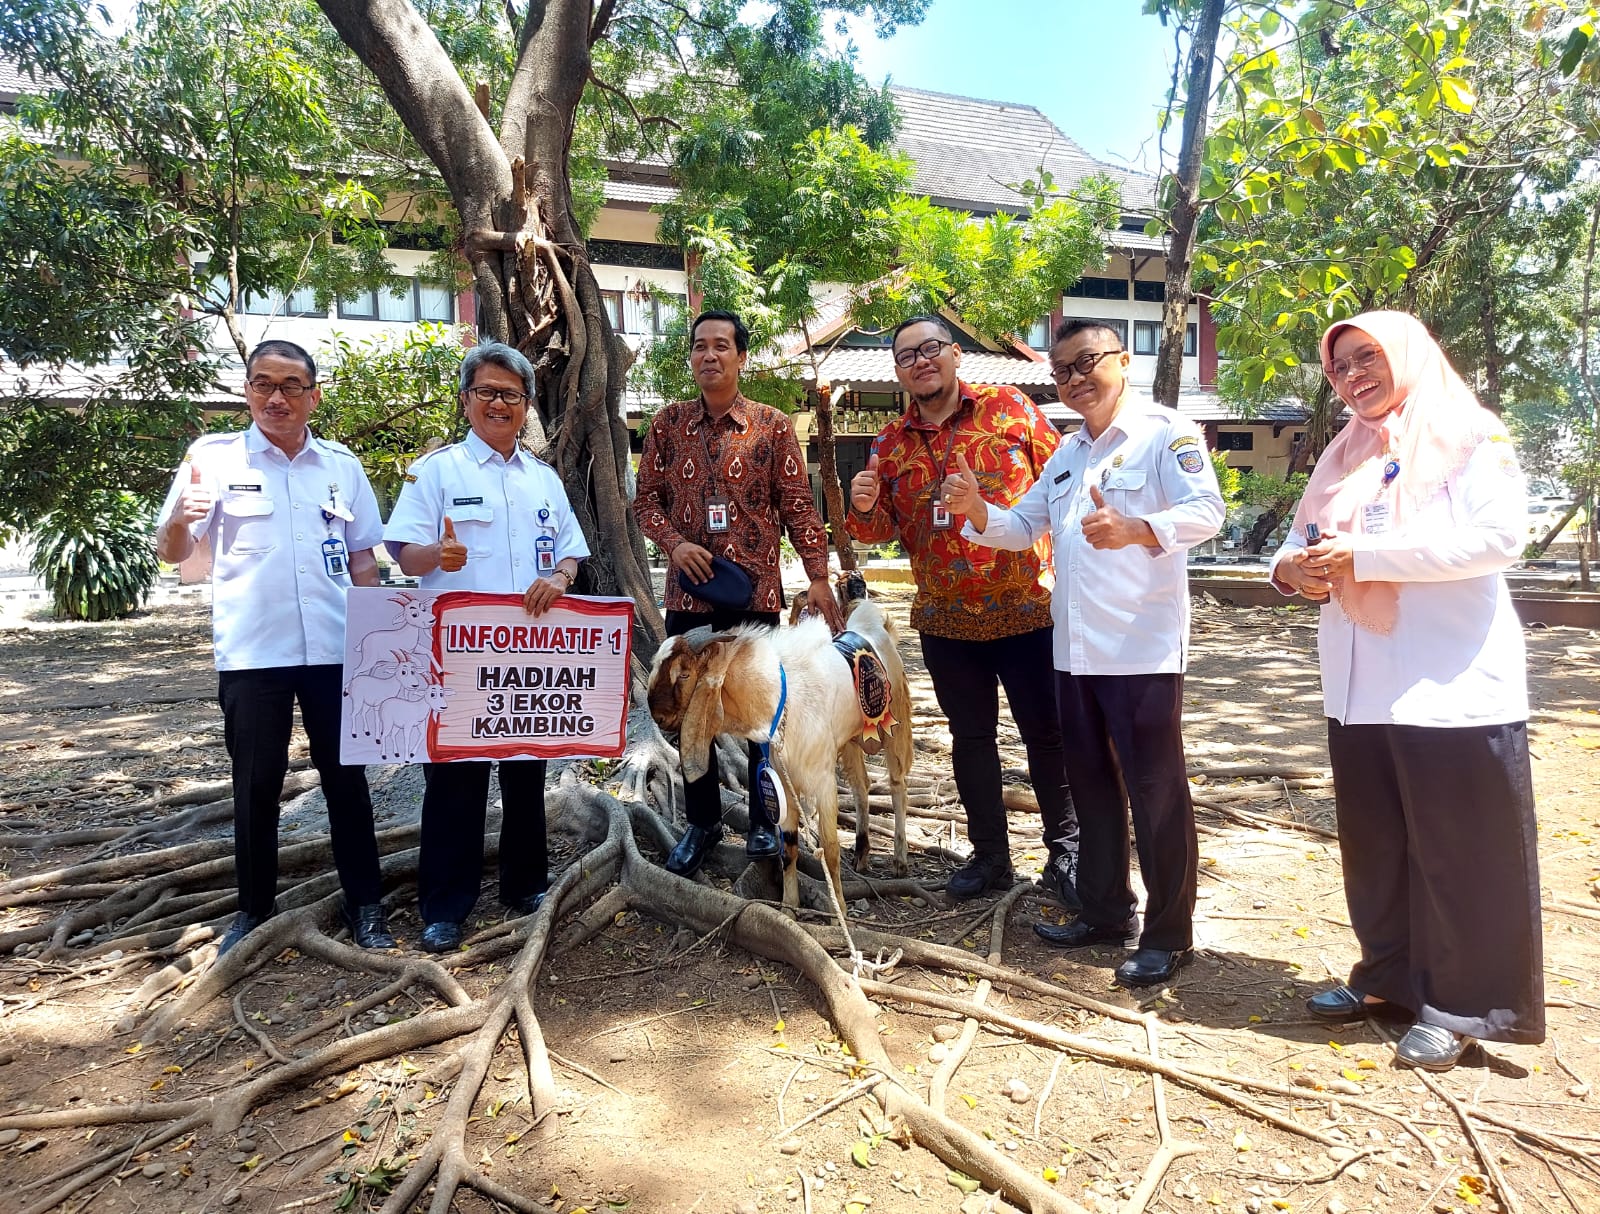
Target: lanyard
942 468
777 717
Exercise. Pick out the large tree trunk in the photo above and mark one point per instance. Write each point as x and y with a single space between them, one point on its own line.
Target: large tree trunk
535 289
1186 207
1318 433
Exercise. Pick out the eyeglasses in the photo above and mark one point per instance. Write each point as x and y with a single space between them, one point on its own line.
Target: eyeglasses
1084 365
487 396
1341 367
930 350
293 390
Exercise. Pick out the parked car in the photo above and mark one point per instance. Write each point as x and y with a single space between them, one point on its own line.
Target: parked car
1545 512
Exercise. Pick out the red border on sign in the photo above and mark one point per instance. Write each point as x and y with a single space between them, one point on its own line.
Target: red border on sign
530 750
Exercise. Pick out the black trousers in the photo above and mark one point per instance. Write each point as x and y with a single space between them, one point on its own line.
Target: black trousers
258 715
967 677
1441 873
702 798
1127 752
454 808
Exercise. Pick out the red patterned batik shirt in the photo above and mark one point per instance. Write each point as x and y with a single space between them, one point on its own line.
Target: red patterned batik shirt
749 457
965 591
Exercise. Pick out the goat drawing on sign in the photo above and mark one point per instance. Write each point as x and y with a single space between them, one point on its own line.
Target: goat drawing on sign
402 679
402 721
412 633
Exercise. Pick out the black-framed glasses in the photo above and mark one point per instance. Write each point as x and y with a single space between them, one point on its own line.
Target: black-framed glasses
293 390
487 396
1341 367
1084 365
930 350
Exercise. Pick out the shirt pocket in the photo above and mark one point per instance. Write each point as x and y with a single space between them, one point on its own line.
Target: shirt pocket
474 524
1062 497
247 523
1124 489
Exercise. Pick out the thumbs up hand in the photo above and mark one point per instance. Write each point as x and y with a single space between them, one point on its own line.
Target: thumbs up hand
195 500
1106 527
864 487
961 493
452 552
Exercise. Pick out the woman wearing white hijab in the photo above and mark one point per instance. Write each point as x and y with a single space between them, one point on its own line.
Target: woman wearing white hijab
1420 507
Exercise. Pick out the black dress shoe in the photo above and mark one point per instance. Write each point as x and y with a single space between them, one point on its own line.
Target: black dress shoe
441 937
1430 1048
1345 1003
761 841
243 924
369 926
1079 934
692 850
1151 966
526 906
1060 881
985 871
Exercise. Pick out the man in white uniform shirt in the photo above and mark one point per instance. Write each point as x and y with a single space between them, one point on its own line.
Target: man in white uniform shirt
292 522
485 515
1123 499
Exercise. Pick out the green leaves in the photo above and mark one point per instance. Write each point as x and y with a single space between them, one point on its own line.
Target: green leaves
97 560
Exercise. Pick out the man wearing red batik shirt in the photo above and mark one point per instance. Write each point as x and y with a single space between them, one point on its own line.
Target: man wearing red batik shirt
724 477
983 614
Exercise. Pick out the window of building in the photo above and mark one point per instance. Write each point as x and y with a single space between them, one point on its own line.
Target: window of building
417 299
301 302
1039 335
1236 440
650 313
1147 338
1098 288
1150 291
612 302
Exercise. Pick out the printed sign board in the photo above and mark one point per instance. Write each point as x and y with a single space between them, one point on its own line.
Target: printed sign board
440 676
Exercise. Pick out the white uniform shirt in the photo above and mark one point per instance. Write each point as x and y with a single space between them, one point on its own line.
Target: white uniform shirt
273 601
1455 656
1121 611
500 509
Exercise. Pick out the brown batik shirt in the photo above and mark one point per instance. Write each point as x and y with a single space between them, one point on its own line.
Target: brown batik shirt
750 457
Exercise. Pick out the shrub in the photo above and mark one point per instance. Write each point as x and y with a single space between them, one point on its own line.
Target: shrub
97 560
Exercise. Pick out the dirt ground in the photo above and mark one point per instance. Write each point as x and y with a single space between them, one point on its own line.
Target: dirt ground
697 1077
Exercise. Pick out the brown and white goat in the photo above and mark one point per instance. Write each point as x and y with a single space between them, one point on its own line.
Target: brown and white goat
731 685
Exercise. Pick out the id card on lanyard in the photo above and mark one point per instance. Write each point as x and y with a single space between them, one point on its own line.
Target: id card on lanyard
335 558
719 510
941 517
544 545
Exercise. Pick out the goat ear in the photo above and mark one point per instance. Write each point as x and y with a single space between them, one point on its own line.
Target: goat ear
702 718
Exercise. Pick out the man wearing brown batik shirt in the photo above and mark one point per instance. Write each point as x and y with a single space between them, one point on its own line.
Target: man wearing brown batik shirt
725 476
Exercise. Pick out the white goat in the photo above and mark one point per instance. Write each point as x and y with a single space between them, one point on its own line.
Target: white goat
731 685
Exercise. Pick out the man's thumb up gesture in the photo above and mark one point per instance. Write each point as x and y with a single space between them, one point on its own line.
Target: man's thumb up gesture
1108 527
864 486
960 488
452 552
195 501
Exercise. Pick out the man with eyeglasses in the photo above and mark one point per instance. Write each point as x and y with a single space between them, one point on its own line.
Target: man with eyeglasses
483 514
722 479
1124 499
983 614
292 523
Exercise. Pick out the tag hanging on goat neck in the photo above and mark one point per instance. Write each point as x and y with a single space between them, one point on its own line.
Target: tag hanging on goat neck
769 793
873 691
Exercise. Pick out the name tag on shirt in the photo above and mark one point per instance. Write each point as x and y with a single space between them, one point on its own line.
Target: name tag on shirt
1376 518
244 488
467 501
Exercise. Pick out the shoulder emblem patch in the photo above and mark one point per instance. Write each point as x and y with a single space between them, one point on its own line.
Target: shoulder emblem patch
1190 461
410 479
1186 440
